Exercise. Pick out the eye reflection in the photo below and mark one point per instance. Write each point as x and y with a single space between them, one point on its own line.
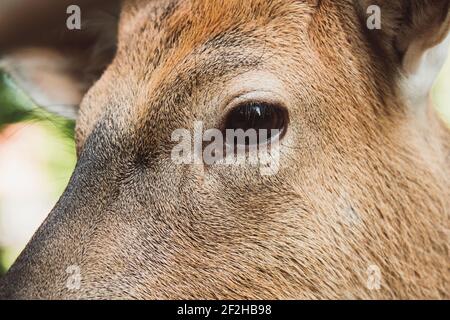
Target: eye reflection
268 120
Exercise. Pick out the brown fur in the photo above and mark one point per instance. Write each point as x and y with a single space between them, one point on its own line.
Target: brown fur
363 180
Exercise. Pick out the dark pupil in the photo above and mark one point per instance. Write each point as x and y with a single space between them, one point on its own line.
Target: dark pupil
257 116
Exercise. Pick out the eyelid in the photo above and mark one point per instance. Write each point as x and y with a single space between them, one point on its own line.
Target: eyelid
260 96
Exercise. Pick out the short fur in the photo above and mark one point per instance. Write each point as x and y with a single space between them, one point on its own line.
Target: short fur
364 181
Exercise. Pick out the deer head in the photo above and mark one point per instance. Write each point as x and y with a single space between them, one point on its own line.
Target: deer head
363 170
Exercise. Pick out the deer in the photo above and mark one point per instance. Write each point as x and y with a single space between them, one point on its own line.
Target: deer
359 205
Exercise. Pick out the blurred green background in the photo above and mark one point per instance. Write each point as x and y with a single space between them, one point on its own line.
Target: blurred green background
37 156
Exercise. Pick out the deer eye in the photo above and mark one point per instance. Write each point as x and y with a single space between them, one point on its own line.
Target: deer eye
266 119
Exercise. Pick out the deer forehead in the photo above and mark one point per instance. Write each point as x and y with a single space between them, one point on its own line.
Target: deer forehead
167 33
167 45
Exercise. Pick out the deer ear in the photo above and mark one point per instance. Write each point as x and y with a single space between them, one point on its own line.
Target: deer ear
415 35
56 66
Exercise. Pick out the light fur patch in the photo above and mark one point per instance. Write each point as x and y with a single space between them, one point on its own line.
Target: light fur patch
418 80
